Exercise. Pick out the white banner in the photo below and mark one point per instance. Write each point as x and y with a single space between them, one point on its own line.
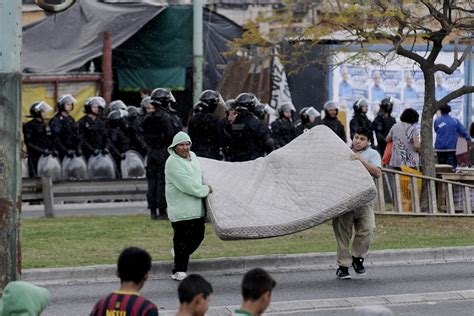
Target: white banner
280 91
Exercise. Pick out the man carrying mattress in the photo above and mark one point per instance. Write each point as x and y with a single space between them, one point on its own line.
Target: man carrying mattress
362 219
184 193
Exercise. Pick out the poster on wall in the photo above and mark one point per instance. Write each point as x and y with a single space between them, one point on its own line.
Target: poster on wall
400 79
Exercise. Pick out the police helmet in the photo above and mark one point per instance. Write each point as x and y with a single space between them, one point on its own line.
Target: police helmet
359 104
65 99
133 111
38 107
286 106
330 105
199 107
386 105
307 112
229 104
99 101
259 111
117 114
117 105
211 100
161 97
246 102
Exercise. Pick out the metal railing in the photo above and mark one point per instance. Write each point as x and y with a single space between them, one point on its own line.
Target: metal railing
444 197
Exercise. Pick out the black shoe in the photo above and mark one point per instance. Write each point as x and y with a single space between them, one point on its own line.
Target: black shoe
358 265
153 215
342 273
162 216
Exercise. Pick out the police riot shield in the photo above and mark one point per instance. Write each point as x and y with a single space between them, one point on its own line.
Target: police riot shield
133 165
74 168
101 167
25 170
49 166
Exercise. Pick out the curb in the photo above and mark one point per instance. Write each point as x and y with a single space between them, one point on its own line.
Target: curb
239 265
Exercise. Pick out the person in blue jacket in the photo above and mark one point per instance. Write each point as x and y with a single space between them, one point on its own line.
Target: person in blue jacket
447 130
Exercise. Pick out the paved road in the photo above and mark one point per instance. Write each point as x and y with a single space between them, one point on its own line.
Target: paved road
300 289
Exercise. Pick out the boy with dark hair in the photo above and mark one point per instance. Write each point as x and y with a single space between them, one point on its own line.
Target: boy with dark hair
194 294
132 268
361 220
257 287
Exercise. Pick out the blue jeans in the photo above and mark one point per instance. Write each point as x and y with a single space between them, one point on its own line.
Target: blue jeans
447 157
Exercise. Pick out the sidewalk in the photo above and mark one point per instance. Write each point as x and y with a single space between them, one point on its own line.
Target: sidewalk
239 265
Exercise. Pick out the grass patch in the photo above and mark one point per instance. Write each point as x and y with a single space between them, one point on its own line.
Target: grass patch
78 241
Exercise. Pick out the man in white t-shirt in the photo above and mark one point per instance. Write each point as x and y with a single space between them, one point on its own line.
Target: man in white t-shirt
362 219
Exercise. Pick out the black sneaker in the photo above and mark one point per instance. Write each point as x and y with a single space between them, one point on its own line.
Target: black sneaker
358 265
342 273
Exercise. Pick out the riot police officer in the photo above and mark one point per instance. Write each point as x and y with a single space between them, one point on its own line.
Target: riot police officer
360 119
37 136
308 116
283 130
135 132
159 128
64 128
92 129
117 130
205 128
249 137
331 120
383 123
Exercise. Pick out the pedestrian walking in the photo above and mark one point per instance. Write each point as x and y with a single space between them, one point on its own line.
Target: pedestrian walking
184 194
194 294
362 220
257 287
133 266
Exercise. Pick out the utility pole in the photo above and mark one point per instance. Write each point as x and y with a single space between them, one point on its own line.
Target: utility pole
197 49
10 104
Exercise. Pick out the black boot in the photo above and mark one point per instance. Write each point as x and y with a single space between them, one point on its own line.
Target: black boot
153 215
163 214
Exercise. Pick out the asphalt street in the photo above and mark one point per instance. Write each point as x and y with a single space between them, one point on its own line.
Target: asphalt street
437 283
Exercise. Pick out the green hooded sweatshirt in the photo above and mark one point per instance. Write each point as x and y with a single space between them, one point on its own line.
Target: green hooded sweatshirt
23 299
184 188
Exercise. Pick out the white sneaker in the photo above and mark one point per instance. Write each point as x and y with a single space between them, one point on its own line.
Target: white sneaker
178 276
172 251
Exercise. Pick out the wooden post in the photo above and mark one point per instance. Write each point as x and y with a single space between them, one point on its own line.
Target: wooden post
380 194
397 201
449 199
48 198
415 197
467 200
107 82
432 197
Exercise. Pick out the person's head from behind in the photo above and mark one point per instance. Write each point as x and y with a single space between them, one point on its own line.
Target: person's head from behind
409 116
194 294
361 139
445 109
257 287
133 266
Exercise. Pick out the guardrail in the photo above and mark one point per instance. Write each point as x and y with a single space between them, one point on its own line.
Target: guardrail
43 190
444 197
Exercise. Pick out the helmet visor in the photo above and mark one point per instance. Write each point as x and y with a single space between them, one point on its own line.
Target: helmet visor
43 107
67 98
312 112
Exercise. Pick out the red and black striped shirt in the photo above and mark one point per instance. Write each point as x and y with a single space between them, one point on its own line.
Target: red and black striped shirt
120 303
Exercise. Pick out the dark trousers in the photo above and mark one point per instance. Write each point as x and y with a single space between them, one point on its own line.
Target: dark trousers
188 235
155 175
447 157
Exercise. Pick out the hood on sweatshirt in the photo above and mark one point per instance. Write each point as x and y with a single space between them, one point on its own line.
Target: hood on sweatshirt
177 139
23 299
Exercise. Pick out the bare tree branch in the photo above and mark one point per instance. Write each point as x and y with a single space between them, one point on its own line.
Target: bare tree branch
454 94
456 62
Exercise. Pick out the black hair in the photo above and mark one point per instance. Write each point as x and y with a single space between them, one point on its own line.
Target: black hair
191 286
255 283
364 131
445 109
409 116
133 263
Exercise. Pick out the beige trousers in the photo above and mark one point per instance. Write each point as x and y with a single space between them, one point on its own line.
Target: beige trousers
363 221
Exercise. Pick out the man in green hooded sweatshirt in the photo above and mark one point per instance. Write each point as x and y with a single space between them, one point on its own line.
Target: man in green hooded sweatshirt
184 193
23 298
